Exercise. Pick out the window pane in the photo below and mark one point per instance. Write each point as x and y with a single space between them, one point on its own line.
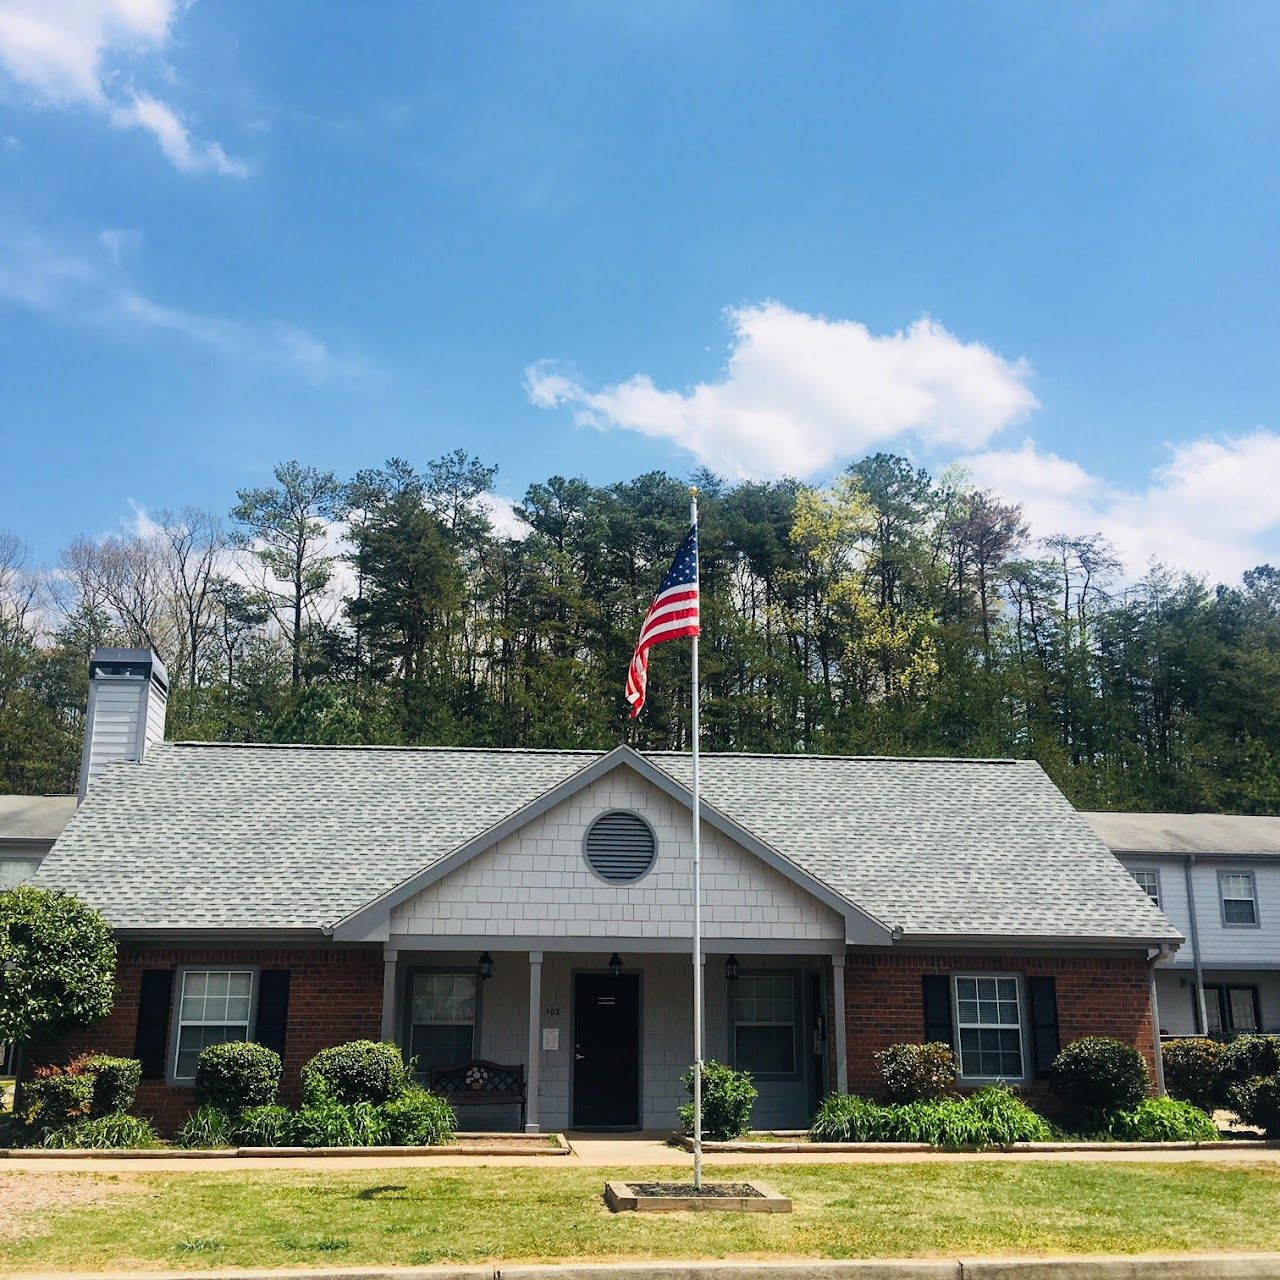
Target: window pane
1213 1009
766 1050
1244 1013
1150 883
443 998
990 1053
191 1040
440 1046
1239 911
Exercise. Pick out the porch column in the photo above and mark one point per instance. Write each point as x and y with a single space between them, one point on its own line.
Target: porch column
389 1019
532 1070
840 1017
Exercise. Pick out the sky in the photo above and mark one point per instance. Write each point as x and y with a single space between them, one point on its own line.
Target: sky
597 239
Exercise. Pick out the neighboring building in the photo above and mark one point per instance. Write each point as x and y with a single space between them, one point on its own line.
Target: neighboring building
1217 878
305 895
28 827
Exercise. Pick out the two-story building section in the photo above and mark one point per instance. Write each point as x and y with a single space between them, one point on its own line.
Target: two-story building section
1216 877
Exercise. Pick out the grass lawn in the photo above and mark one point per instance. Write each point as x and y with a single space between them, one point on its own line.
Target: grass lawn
418 1216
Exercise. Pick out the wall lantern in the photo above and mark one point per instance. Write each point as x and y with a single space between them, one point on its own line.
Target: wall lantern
615 965
485 968
731 969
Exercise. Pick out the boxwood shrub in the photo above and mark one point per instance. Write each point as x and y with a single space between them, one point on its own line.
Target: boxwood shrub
360 1071
1257 1102
728 1098
115 1083
1096 1076
1248 1058
1191 1070
917 1072
236 1075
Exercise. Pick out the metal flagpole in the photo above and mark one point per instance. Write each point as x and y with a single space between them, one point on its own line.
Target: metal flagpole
697 889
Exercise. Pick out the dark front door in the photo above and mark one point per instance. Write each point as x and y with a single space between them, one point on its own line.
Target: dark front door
606 1051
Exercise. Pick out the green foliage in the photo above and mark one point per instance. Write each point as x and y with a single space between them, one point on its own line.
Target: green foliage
265 1126
368 1125
917 1072
236 1075
360 1071
418 1118
1163 1120
323 1123
57 1097
1096 1076
1247 1058
114 1132
207 1127
992 1117
728 1097
1257 1102
115 1083
57 963
1191 1070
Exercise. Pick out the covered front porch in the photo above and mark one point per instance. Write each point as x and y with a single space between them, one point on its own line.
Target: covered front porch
603 1034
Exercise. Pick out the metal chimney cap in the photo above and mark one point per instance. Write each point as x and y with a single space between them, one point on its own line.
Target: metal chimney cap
133 662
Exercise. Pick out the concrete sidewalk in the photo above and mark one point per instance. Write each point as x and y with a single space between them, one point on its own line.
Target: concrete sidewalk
619 1152
1241 1266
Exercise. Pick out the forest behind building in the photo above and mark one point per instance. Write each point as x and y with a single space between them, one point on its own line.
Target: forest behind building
889 613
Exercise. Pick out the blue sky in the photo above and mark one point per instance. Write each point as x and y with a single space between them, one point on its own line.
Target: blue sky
601 238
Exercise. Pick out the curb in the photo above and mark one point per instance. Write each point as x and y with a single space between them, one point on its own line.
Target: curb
541 1148
1175 1266
823 1148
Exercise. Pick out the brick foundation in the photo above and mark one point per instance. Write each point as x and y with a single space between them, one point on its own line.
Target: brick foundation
884 1002
335 995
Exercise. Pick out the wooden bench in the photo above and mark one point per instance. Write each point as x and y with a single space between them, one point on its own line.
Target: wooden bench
481 1084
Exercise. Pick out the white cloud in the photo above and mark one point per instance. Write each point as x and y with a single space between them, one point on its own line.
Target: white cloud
1211 508
82 288
801 393
69 53
502 516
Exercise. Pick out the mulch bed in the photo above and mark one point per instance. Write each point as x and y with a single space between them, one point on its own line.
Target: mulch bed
715 1190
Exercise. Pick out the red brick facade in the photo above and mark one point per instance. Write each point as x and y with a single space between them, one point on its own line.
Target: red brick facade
884 1000
335 995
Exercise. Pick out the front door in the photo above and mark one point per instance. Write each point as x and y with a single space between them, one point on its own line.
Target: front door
606 1051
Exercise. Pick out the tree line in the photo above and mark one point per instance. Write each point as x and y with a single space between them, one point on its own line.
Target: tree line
890 612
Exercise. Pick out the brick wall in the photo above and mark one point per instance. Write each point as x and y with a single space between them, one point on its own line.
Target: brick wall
884 1001
335 995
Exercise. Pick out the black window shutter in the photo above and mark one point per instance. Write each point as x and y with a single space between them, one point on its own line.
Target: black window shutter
1042 995
273 1009
937 1009
152 1041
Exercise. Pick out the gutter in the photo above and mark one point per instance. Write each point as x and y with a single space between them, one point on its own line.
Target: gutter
1202 1013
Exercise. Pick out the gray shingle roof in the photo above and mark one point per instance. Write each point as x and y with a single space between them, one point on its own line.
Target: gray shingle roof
1225 833
206 836
34 818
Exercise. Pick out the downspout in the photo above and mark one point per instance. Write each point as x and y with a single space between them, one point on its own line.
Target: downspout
1202 1013
1161 953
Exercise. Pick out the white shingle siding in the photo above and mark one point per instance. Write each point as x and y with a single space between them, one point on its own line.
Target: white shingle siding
536 882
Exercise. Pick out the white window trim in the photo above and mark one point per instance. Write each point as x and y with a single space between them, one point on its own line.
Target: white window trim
1256 922
1135 872
796 1023
175 1011
1020 987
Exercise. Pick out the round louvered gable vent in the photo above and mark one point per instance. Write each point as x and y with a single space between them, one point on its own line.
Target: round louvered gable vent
620 847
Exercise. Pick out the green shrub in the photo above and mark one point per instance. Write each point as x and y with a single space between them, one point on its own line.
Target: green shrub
206 1127
265 1126
115 1083
57 1097
728 1097
324 1123
368 1125
1191 1070
361 1071
917 1072
845 1117
418 1118
237 1075
114 1132
1163 1120
1002 1118
1257 1102
1248 1058
1096 1076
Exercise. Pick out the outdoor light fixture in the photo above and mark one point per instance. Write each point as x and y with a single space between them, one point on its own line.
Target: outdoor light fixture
731 969
615 965
485 967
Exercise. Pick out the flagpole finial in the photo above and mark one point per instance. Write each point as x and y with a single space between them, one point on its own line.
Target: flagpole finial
693 489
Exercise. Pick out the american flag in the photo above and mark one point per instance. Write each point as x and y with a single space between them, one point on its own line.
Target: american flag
673 613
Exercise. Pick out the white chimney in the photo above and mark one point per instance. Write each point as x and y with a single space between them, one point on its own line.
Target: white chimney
128 692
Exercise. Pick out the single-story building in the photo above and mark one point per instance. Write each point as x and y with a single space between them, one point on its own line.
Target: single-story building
534 908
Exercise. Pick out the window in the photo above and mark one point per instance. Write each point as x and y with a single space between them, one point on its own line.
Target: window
1232 1011
442 1019
1239 897
989 1028
1148 881
765 1021
214 1005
